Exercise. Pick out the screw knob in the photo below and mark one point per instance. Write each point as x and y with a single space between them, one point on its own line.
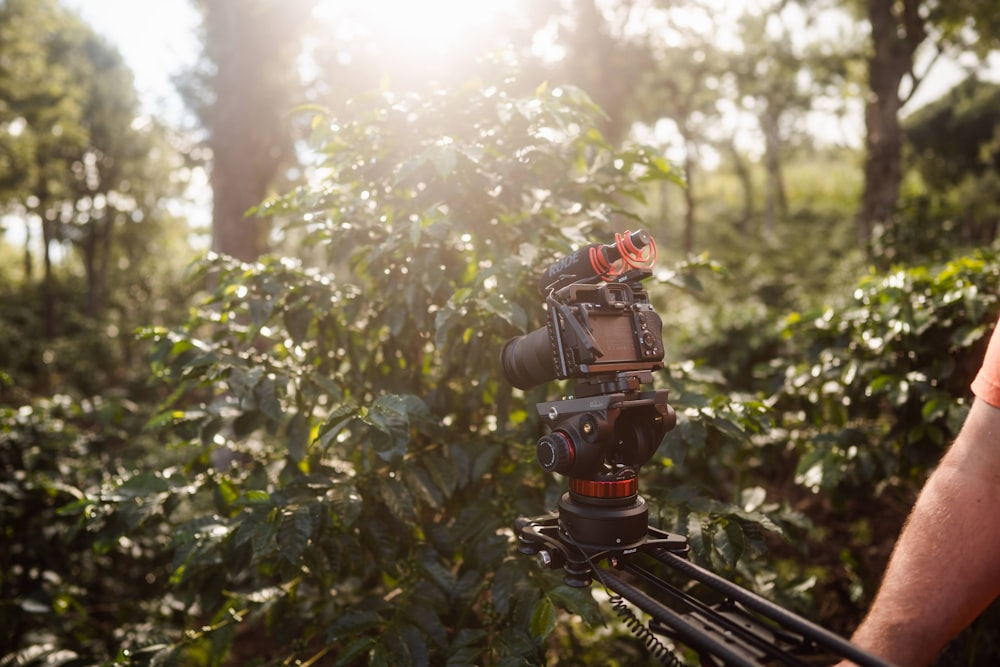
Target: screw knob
555 452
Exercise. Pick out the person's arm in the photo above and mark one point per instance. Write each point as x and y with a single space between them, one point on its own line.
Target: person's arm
945 568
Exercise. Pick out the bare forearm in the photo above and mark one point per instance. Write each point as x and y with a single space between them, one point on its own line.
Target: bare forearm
923 602
946 566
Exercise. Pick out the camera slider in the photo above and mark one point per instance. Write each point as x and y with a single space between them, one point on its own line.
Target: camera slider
741 629
543 537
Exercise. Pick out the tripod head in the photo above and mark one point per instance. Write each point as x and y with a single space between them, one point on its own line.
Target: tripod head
599 442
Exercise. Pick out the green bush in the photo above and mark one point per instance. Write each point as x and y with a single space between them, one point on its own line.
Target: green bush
69 590
869 394
883 385
343 461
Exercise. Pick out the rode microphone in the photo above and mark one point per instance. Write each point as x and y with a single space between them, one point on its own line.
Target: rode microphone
597 262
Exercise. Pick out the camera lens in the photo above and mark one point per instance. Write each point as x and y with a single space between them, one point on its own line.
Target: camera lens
526 361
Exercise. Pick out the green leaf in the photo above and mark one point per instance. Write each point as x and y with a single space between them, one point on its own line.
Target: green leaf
254 497
543 619
398 499
443 472
473 519
445 159
419 481
267 399
504 581
78 506
346 504
352 622
391 416
260 311
437 573
243 381
293 536
143 485
577 601
485 460
338 419
297 322
428 620
297 435
355 650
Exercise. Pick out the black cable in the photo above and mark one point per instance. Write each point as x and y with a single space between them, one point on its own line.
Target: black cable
656 648
641 630
686 631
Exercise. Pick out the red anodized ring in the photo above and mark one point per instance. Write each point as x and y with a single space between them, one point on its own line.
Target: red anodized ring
619 488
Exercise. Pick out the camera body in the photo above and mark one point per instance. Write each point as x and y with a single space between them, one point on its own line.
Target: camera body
608 328
591 330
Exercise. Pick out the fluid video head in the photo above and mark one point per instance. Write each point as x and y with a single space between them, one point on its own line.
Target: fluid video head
602 331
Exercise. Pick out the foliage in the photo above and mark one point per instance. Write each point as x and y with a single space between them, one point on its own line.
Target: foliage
955 135
950 199
344 463
876 390
354 461
885 384
96 180
68 591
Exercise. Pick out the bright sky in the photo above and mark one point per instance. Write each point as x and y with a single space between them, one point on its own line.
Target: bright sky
158 38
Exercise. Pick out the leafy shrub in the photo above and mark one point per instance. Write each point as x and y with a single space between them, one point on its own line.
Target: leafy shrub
70 590
884 383
345 461
354 462
868 396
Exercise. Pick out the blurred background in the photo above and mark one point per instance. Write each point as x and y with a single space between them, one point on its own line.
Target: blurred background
191 190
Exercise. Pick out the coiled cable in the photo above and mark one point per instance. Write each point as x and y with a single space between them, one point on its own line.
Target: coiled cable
641 630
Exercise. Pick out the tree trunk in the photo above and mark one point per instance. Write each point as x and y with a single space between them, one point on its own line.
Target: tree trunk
101 270
49 311
89 247
746 182
253 46
897 31
29 266
776 200
96 248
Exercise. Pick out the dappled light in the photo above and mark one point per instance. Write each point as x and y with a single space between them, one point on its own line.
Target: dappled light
317 316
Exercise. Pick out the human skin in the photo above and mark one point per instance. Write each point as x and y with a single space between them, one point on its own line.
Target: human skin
945 567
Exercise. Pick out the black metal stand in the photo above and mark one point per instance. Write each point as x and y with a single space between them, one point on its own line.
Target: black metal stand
745 630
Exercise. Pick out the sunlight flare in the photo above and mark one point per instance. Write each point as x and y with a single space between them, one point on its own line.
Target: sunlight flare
415 30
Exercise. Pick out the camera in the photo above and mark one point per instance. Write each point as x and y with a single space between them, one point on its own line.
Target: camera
602 331
591 329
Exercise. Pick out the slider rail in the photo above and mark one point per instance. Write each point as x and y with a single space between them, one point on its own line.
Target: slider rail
744 630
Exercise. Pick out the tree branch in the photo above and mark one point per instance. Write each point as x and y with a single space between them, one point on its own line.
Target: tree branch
917 80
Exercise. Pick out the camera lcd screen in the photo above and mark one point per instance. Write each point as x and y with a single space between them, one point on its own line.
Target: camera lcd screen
616 339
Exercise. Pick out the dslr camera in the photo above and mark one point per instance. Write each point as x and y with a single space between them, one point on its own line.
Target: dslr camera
599 319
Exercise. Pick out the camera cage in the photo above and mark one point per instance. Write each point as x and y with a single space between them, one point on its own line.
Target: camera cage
597 329
602 331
